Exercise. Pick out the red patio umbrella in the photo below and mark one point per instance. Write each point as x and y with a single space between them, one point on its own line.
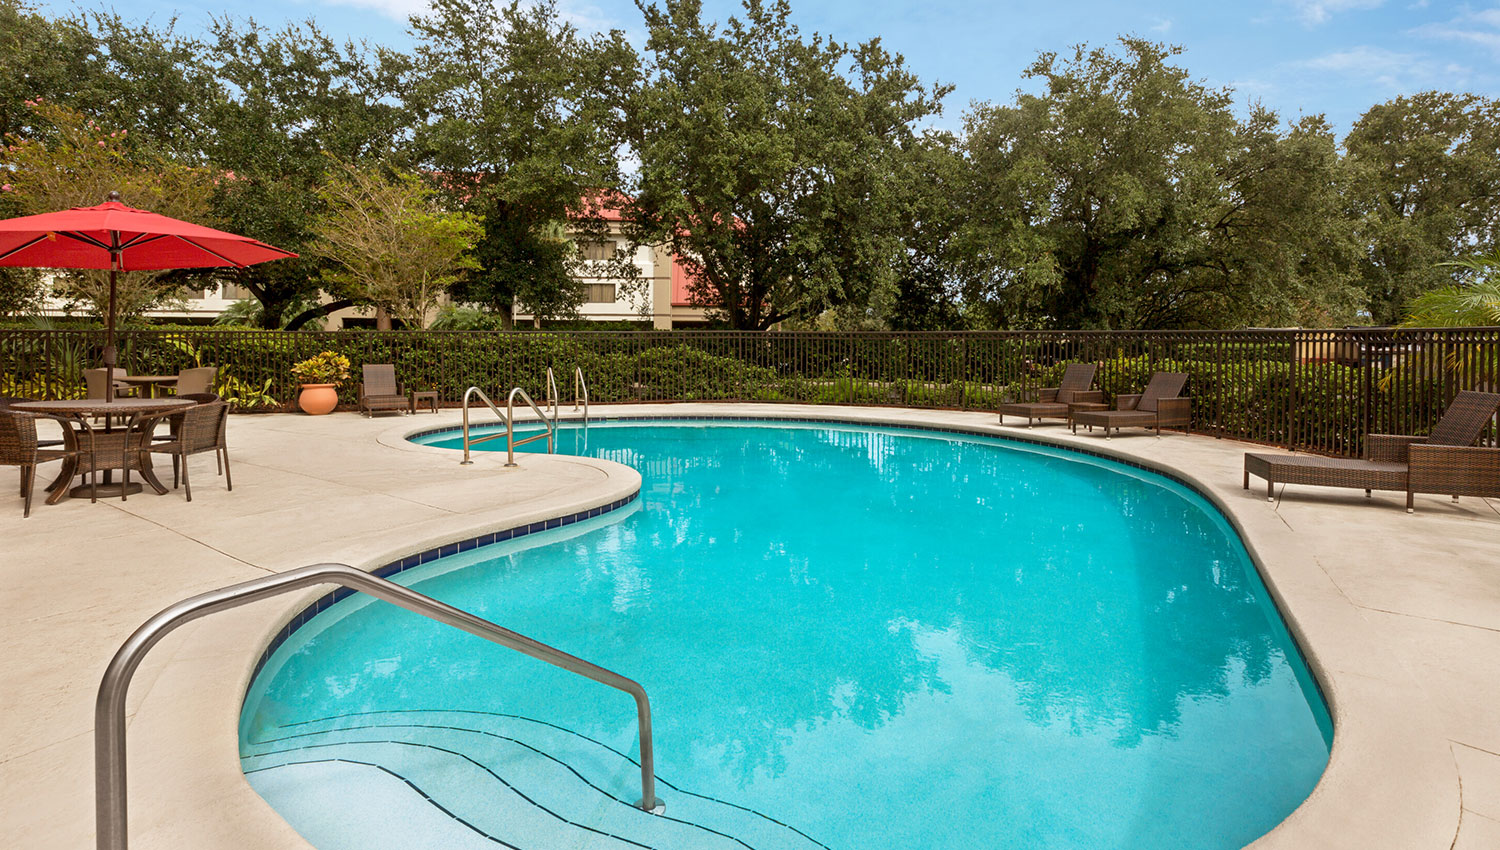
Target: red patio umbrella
120 238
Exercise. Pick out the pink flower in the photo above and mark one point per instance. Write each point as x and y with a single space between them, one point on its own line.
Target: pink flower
229 175
101 143
6 187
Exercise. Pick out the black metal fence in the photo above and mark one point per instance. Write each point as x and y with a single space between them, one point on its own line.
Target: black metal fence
1316 391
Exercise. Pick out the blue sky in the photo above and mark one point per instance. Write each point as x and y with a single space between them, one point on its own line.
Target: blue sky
1335 57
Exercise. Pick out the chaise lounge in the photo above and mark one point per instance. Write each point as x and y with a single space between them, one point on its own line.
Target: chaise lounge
1445 461
1159 405
1052 402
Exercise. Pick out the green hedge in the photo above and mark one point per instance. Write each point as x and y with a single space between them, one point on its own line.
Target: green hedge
1243 385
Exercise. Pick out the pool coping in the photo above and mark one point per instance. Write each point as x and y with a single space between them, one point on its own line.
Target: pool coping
1392 781
1365 741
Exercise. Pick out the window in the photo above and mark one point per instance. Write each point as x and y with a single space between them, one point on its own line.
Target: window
601 293
597 251
233 292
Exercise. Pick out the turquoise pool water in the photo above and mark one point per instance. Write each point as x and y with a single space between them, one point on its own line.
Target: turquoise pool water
852 638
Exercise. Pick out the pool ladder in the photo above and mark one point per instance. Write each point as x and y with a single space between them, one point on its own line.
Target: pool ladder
111 824
508 418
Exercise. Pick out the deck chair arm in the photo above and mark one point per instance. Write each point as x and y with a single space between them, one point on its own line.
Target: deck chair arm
1081 396
1174 412
1389 448
1454 470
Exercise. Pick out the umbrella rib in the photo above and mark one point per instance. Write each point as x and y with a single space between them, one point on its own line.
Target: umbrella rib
142 239
227 261
18 249
84 238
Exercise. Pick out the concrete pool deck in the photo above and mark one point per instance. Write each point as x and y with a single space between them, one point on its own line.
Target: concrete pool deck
1399 615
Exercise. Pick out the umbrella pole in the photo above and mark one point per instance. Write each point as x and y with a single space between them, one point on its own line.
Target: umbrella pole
110 355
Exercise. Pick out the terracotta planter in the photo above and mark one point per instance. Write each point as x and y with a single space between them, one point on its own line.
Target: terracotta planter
318 399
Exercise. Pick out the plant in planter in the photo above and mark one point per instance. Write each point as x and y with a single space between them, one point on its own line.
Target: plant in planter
320 376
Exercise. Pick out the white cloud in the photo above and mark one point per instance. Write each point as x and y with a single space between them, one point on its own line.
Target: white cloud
398 10
1162 25
1314 12
1481 28
1389 68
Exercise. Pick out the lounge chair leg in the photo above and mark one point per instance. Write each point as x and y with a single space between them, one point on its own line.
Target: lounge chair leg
176 480
1455 500
1411 502
1246 484
187 485
1367 494
228 479
1270 490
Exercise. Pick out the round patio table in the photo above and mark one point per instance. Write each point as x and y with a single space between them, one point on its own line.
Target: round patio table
106 449
150 385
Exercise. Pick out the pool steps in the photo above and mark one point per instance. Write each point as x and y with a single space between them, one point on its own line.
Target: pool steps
505 780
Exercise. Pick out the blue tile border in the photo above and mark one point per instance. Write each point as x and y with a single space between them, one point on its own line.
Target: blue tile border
825 420
324 602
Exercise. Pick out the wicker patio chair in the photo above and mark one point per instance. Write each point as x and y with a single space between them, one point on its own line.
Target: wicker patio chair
1052 402
174 421
379 390
19 447
196 381
93 380
1160 405
202 430
1444 462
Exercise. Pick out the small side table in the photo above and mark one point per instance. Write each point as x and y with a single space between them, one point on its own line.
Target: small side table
1076 406
428 396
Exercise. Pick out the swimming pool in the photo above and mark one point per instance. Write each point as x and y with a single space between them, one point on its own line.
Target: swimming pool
852 637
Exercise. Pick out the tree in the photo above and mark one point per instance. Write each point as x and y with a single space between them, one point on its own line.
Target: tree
766 161
515 114
389 244
1126 195
286 102
1474 303
931 268
76 163
1425 176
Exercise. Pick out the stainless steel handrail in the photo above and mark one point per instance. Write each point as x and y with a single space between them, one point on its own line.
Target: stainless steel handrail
109 710
511 442
553 395
503 420
580 391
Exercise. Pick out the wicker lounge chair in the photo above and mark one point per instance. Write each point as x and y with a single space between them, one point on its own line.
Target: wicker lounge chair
379 390
1160 405
19 446
1445 461
202 430
1052 402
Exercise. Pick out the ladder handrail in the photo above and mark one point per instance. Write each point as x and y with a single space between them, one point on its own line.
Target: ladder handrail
552 394
109 709
510 430
580 391
468 442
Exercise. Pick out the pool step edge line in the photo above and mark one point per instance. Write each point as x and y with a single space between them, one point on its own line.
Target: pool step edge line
530 730
693 820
